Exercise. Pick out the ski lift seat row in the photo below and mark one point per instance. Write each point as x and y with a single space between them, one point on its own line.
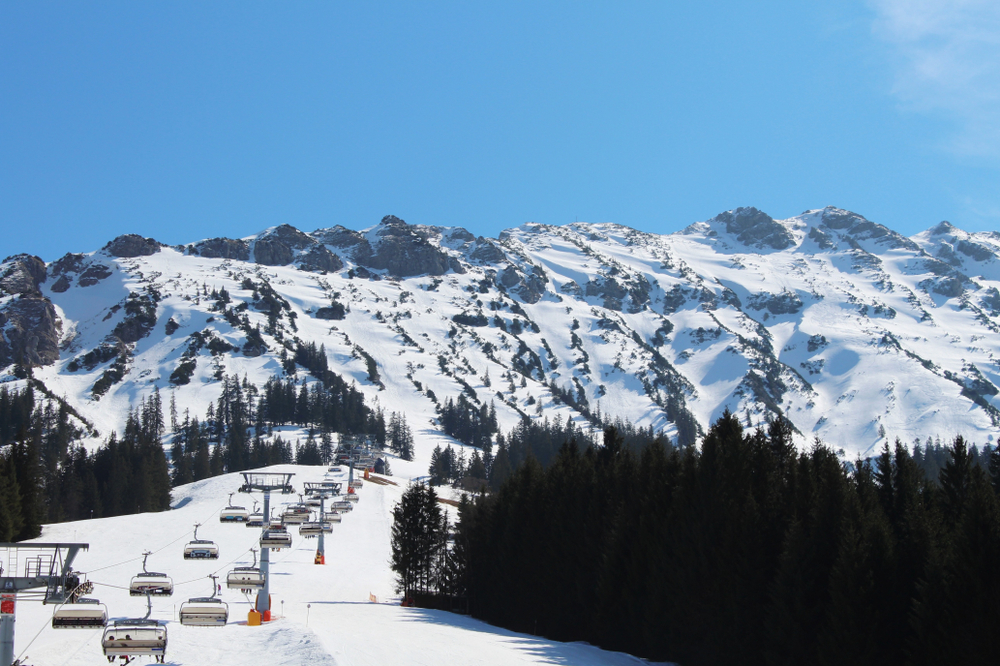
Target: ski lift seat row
150 582
84 614
233 514
157 584
315 529
205 611
200 548
135 638
275 539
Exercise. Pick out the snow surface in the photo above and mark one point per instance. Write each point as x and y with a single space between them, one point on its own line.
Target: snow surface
326 617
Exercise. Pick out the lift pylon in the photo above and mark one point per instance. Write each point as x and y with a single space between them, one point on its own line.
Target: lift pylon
266 482
51 568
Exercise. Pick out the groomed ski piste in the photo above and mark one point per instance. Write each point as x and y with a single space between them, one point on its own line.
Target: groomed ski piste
345 612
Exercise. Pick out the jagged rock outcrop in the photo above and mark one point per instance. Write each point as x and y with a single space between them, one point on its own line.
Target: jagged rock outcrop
338 236
223 248
404 252
318 258
529 286
128 246
29 331
68 263
94 274
756 229
278 246
23 274
859 229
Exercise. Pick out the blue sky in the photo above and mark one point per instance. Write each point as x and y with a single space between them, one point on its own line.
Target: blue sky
186 120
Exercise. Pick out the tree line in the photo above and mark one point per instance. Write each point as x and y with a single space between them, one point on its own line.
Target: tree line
744 550
47 476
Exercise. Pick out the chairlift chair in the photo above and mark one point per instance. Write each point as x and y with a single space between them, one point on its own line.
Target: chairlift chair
205 611
200 548
246 579
275 539
255 519
156 584
83 614
142 637
332 517
343 505
233 514
315 529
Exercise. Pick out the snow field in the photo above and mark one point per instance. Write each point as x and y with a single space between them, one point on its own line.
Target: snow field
328 618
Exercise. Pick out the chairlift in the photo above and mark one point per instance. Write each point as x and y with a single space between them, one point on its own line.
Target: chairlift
313 529
233 514
255 519
343 505
142 637
200 548
83 614
205 611
156 584
246 579
332 517
276 539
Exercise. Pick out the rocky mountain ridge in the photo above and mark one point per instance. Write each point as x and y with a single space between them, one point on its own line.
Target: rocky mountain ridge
850 330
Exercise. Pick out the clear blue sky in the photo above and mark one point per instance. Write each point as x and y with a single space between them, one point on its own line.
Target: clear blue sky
186 120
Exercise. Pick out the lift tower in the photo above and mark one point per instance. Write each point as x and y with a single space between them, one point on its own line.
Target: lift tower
266 482
321 491
46 565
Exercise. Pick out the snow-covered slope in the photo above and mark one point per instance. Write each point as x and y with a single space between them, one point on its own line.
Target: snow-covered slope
851 331
328 615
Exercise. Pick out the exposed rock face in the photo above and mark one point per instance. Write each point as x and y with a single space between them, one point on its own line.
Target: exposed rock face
974 250
486 252
30 332
277 247
69 263
224 248
756 228
318 258
61 284
272 252
860 229
530 287
24 274
338 236
128 246
94 274
777 304
403 252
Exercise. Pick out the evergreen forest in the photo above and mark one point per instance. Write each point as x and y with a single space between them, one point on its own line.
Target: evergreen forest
742 551
47 476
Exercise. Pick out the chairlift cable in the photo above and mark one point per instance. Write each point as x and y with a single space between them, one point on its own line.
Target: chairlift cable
165 546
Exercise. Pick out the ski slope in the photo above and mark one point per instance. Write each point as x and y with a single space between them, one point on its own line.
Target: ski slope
325 615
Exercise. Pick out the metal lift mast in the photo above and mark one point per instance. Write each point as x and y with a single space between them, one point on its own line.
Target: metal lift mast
266 482
49 569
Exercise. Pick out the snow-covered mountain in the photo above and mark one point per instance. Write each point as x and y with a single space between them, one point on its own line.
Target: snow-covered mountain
850 330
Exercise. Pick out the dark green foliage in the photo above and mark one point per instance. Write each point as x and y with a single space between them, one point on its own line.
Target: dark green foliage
419 532
399 436
467 423
745 551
